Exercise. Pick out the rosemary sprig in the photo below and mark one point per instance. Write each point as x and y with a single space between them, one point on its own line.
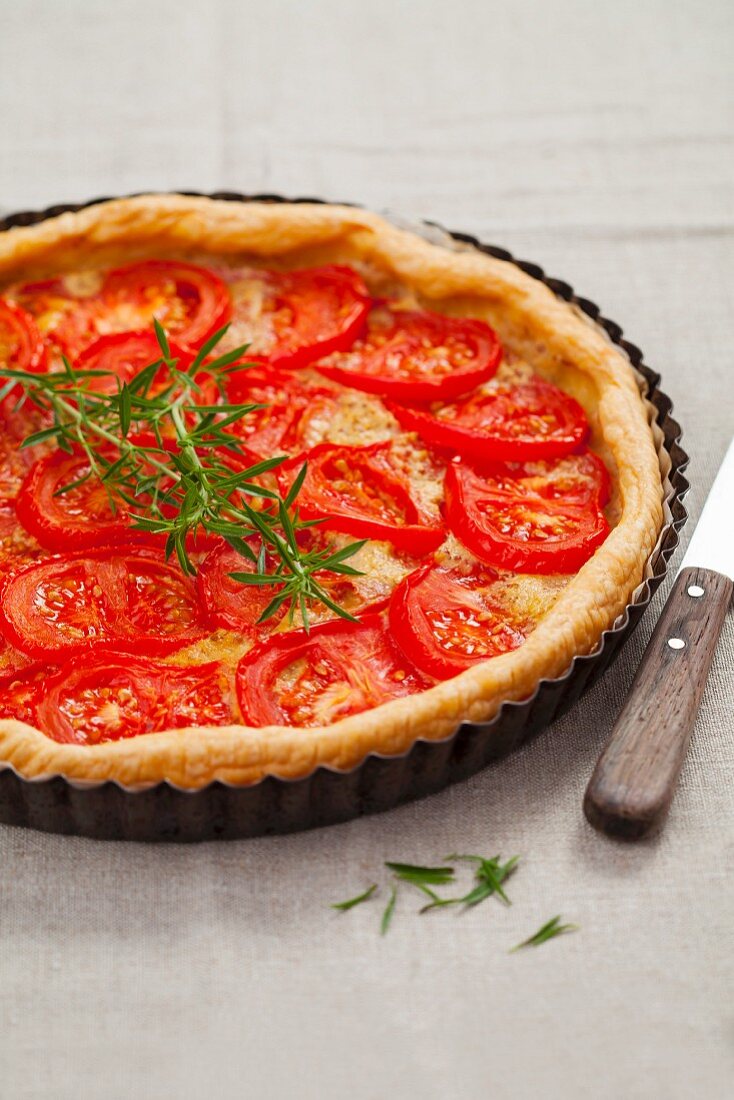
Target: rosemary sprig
160 450
549 930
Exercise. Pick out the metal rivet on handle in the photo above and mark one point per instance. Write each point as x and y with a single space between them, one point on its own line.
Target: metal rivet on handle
695 590
676 643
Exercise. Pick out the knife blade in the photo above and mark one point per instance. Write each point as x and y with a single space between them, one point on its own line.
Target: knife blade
712 541
633 783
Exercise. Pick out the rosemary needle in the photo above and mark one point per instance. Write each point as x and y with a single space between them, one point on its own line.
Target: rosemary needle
389 910
351 902
548 931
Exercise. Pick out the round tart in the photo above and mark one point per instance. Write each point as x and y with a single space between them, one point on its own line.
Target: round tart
486 441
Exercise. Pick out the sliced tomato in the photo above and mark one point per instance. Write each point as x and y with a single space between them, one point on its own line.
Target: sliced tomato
69 320
448 619
298 415
21 343
359 491
112 697
75 602
526 534
503 424
236 606
18 547
229 603
417 355
11 660
274 428
81 517
190 302
580 478
338 669
123 355
297 317
15 462
21 691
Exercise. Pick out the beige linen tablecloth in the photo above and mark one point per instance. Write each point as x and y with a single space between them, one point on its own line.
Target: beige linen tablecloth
595 139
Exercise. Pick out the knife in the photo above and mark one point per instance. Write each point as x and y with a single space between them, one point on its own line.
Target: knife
633 783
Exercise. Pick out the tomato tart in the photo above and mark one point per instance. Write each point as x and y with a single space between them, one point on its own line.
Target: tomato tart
484 444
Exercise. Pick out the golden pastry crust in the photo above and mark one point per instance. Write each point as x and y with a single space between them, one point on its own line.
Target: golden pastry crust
552 335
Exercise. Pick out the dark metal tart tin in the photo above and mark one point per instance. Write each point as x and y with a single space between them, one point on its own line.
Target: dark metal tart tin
165 812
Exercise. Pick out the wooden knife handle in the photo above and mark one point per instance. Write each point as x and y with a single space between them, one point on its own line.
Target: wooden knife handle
633 783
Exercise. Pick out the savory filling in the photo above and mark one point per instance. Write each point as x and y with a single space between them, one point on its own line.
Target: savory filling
293 501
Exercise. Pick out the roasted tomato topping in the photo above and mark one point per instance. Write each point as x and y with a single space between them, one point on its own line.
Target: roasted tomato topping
11 660
449 619
229 603
529 534
234 605
502 424
122 355
358 490
277 426
416 355
338 669
69 316
75 602
21 691
296 317
14 461
115 696
190 302
21 343
81 517
18 548
577 479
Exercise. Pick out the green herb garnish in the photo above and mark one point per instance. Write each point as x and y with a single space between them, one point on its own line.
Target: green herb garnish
351 902
422 877
389 910
163 455
550 929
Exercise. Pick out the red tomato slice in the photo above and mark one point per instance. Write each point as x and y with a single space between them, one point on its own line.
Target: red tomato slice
274 429
123 355
189 301
11 660
357 490
341 668
21 691
446 619
236 606
505 424
525 534
21 344
297 317
75 602
70 321
581 479
417 355
14 462
82 517
18 548
229 603
116 696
